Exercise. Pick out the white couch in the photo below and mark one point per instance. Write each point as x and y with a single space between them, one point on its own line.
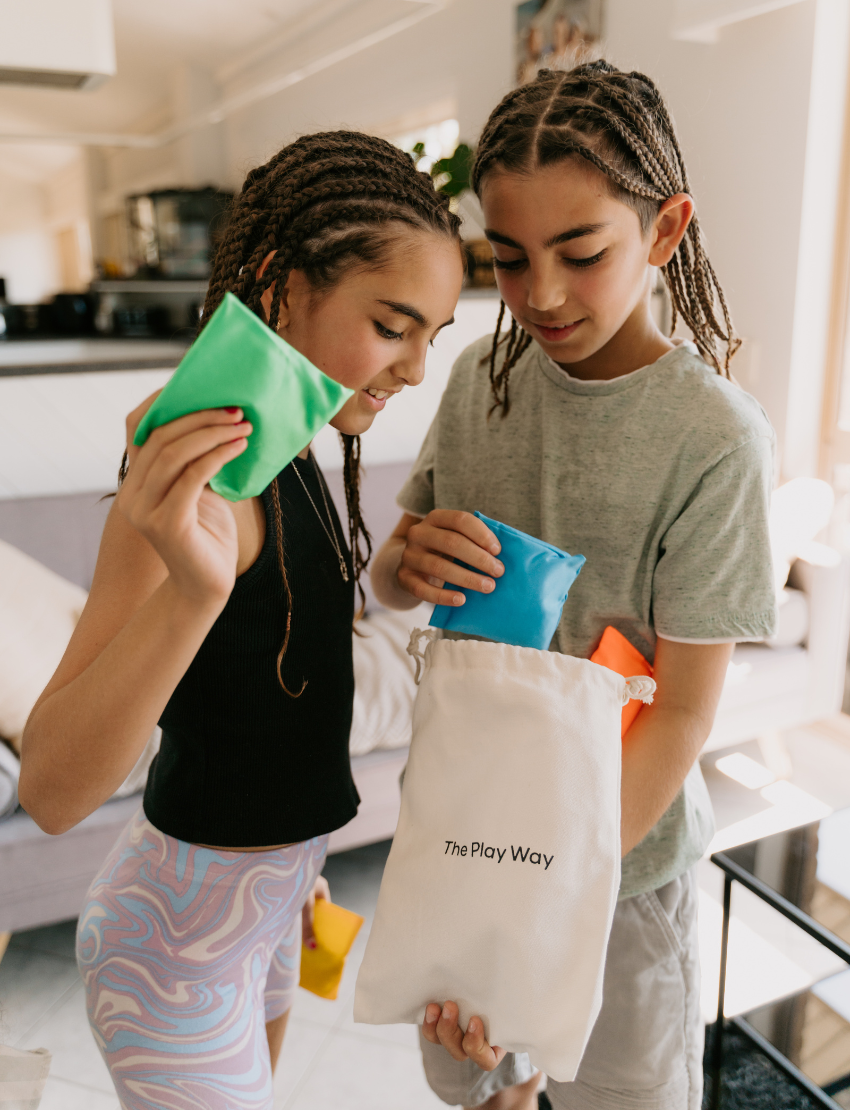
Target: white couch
769 689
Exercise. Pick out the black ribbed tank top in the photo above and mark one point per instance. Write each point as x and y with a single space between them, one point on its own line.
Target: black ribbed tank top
242 764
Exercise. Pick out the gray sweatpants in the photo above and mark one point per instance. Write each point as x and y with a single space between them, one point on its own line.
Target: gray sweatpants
645 1051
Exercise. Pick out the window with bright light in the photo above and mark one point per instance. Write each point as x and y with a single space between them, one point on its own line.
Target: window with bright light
428 144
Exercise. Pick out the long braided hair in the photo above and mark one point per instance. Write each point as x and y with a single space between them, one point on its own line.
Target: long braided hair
619 123
325 204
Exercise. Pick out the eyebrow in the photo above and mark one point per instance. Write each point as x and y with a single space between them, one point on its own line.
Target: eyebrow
414 313
564 237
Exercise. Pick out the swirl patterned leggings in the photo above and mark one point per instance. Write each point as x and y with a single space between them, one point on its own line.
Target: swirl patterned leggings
186 953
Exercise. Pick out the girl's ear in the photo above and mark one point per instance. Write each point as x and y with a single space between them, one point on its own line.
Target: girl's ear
669 228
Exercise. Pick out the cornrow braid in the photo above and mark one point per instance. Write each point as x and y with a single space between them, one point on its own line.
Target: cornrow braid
351 476
618 123
325 204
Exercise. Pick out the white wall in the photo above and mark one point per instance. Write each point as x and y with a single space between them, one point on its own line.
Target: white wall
741 107
27 252
28 263
464 54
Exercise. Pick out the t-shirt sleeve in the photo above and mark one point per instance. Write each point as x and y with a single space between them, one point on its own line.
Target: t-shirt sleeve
417 493
714 579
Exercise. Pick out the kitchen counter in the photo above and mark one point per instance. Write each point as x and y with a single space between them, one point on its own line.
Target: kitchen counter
57 356
62 419
19 357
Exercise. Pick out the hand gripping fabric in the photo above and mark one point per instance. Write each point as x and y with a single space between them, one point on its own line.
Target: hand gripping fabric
525 607
500 887
238 360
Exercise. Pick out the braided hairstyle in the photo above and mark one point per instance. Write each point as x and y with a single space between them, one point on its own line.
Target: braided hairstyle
617 122
326 204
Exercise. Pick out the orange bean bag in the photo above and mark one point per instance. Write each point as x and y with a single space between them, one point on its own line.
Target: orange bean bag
616 653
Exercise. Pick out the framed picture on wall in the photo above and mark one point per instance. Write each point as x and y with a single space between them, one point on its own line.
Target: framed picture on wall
556 34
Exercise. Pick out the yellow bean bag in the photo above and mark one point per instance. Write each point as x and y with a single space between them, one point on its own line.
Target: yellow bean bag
335 929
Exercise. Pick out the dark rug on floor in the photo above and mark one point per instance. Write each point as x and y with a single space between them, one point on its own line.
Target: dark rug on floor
751 1080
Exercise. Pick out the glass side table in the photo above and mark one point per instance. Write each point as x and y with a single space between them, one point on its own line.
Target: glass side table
804 874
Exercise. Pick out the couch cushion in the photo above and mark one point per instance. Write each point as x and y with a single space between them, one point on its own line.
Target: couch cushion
792 625
759 673
383 680
63 533
38 612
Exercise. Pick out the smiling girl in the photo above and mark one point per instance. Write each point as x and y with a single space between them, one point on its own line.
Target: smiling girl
589 428
231 625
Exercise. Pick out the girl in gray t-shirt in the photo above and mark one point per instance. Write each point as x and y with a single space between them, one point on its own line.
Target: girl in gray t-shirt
586 426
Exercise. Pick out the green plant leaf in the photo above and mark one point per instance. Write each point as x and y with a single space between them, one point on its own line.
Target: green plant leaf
454 170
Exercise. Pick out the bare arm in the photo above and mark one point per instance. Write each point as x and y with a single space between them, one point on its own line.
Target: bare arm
165 569
416 562
667 736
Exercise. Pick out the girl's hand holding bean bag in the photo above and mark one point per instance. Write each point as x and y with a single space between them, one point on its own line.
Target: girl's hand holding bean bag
166 498
437 549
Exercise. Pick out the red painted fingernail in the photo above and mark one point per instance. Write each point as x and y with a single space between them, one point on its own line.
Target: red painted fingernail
231 408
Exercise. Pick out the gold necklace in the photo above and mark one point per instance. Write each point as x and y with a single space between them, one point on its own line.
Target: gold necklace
332 536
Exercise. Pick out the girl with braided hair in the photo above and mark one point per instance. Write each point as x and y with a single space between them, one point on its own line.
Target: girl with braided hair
231 625
589 428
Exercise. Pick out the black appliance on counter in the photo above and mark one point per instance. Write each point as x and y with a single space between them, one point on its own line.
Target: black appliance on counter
66 316
174 232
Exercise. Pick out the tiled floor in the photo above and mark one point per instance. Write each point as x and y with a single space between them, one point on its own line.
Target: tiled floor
328 1062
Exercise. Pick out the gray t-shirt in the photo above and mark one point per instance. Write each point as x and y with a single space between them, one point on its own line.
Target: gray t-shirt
660 478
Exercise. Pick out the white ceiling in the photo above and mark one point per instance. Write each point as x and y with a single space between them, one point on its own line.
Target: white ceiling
153 38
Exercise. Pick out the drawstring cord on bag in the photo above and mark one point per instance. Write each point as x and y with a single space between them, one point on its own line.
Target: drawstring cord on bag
430 634
640 686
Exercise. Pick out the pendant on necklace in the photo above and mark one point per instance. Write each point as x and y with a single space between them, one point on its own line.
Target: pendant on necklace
344 569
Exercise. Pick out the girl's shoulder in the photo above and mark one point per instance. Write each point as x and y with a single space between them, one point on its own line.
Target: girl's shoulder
680 395
696 393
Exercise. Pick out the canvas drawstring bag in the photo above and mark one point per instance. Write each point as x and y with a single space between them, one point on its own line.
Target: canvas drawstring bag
501 884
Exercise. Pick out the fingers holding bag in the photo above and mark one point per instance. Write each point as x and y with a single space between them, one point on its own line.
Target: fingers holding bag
332 931
320 890
453 547
166 497
441 1027
187 445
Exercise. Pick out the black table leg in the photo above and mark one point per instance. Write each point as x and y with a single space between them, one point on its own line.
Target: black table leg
717 1046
